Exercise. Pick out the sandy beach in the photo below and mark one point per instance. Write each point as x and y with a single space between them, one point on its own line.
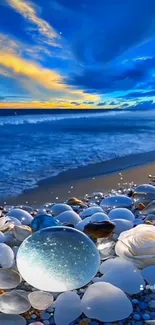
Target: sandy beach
88 179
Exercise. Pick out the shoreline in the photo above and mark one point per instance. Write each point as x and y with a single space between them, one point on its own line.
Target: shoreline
87 179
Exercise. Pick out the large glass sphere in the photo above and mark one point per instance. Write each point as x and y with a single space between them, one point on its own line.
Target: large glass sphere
63 259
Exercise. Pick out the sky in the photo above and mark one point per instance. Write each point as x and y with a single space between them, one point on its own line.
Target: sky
77 54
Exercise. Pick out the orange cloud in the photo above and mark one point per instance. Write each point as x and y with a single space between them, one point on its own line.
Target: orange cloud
29 12
48 79
37 104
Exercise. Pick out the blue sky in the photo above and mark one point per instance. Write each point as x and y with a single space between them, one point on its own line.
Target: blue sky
85 53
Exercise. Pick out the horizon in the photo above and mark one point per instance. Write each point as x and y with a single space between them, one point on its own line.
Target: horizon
85 55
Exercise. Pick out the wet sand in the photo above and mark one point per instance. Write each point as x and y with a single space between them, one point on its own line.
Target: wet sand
85 180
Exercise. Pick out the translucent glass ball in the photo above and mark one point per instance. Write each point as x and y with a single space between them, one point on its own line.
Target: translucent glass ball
58 259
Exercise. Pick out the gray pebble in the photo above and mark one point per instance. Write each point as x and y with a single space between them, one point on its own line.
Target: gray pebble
45 316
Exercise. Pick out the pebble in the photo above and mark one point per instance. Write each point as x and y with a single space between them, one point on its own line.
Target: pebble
143 305
46 322
151 304
146 316
139 323
33 316
136 317
45 316
135 301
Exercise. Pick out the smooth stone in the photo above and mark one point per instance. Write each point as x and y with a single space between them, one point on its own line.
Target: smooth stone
6 256
81 225
37 323
126 278
44 221
136 317
99 217
58 208
146 316
114 264
121 213
67 308
2 237
149 274
63 259
144 189
118 201
21 232
46 322
122 225
151 304
45 316
143 305
22 293
68 217
40 300
15 221
13 320
104 302
23 216
90 211
9 279
4 223
13 303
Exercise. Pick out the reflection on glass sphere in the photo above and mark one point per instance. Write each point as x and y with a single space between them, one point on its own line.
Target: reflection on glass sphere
44 221
63 259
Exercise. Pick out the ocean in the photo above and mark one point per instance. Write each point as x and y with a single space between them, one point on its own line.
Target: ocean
35 147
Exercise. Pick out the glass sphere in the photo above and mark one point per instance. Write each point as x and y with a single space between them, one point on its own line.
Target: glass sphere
63 258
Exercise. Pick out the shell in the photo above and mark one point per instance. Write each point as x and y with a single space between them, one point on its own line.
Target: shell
21 232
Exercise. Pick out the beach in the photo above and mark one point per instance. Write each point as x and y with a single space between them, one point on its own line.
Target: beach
59 189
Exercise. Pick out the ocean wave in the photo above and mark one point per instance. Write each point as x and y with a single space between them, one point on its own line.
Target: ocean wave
36 119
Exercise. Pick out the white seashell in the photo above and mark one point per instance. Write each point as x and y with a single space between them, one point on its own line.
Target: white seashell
90 211
12 320
23 216
58 208
106 303
40 300
68 217
137 245
80 225
121 213
21 232
13 303
122 225
6 256
67 308
9 279
99 216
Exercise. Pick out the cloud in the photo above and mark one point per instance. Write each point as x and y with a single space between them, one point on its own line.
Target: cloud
29 12
110 30
126 76
101 104
75 103
48 79
138 94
